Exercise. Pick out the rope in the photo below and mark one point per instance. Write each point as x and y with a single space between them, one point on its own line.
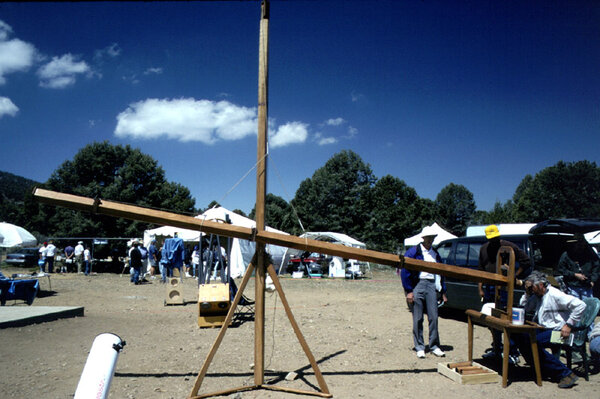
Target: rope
244 177
273 331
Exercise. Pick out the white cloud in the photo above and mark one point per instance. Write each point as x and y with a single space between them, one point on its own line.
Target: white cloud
290 133
352 131
111 51
334 122
327 140
356 96
5 29
61 71
15 55
156 71
7 107
186 119
133 79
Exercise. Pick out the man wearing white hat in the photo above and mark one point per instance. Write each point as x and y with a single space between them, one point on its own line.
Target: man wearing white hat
79 255
421 291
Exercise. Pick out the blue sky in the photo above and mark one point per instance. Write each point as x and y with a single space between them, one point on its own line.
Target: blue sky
478 93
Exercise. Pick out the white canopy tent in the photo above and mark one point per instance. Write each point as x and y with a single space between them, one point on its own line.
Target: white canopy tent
169 231
328 236
441 236
241 251
15 236
339 238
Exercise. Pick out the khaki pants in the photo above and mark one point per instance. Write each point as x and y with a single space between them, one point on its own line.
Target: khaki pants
79 261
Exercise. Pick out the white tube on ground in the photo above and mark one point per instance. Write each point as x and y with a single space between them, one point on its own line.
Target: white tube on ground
99 368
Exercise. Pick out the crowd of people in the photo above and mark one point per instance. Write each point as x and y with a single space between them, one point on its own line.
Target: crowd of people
76 259
160 260
554 310
156 262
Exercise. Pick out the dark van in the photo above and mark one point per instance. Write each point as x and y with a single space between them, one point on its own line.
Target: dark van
544 245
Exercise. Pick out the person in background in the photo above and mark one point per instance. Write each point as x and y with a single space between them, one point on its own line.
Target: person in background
555 311
195 261
580 268
78 253
487 262
175 252
164 264
153 258
87 260
42 260
145 269
50 252
421 290
69 258
135 257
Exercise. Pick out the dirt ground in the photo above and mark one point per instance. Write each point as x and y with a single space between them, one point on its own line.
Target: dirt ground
358 331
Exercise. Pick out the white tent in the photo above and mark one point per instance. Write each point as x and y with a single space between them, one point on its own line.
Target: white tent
14 236
169 231
339 238
327 236
242 251
441 236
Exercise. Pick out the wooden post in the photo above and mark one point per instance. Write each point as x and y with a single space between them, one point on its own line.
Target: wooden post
261 187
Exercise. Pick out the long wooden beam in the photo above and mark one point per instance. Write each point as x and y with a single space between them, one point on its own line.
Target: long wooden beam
116 209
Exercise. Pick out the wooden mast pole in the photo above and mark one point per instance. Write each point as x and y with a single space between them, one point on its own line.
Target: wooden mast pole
261 187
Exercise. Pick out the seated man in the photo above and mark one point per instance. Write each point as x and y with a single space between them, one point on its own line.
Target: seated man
556 311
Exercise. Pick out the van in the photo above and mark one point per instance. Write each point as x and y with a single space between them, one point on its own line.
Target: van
544 244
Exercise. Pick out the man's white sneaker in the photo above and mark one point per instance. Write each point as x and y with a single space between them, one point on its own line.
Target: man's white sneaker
421 354
438 352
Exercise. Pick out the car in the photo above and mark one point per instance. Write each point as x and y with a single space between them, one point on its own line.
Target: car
309 263
24 257
545 243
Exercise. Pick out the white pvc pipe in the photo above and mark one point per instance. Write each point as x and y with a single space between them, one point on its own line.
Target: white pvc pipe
99 368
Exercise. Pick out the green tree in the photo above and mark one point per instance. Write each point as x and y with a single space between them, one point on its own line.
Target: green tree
396 212
240 212
336 197
278 213
500 213
456 208
116 173
565 190
13 192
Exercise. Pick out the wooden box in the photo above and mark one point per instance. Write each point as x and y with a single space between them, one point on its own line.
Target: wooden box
213 304
468 373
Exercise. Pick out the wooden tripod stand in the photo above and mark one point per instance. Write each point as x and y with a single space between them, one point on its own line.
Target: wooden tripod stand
260 383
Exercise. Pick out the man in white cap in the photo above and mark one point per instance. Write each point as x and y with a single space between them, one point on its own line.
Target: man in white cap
421 290
79 255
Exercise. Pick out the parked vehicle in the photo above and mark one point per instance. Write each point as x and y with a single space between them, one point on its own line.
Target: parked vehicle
309 263
544 244
24 257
